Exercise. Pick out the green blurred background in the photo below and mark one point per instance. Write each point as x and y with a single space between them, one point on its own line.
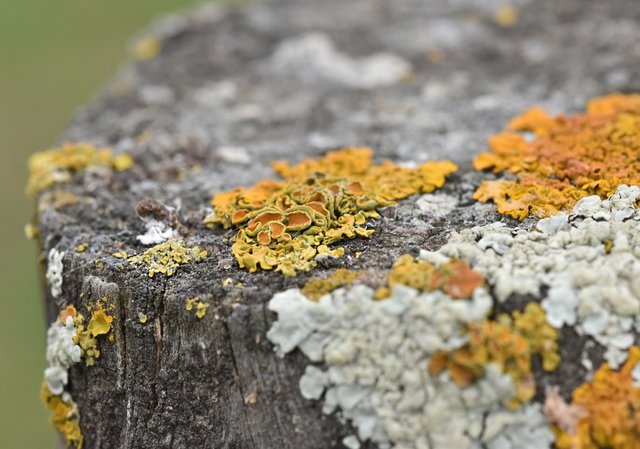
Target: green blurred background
54 55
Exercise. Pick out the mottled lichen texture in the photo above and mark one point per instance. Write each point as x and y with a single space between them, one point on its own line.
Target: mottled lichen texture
214 96
69 340
287 224
566 157
58 165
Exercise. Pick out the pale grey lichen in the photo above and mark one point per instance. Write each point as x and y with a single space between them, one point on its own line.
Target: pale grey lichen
54 271
313 56
588 262
436 205
377 376
62 352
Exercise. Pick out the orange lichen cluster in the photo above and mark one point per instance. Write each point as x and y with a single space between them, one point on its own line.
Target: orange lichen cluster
508 342
286 224
611 403
569 157
455 278
58 165
316 288
66 417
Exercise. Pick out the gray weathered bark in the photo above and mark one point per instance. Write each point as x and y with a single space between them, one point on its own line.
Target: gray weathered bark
177 381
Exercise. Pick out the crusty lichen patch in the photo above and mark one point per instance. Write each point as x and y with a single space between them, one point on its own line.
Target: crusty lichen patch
315 288
508 342
58 165
454 277
610 405
198 305
165 258
568 158
65 418
583 265
286 224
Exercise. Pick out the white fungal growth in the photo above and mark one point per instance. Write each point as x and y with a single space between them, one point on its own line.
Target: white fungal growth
588 261
157 232
377 356
54 271
313 56
62 352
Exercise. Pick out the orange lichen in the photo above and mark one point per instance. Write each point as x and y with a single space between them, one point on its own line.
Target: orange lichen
66 417
455 278
314 289
611 403
509 342
58 165
569 157
286 224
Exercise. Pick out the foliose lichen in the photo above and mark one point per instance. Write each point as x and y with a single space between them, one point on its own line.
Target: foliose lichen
58 165
585 265
286 224
65 416
567 158
611 410
198 305
54 271
315 288
377 355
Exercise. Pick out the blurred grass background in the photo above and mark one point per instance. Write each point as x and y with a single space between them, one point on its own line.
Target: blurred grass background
54 55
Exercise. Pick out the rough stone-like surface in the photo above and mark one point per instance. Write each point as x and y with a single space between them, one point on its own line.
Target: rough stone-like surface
232 90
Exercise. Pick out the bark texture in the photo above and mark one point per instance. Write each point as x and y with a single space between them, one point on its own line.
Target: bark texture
181 382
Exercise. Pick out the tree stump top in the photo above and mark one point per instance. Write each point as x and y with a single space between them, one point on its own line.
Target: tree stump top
209 100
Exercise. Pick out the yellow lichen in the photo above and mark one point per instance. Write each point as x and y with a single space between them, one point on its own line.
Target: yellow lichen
142 317
314 289
57 199
509 342
58 165
146 48
611 410
165 258
286 224
199 306
455 278
66 417
568 158
506 16
82 247
86 337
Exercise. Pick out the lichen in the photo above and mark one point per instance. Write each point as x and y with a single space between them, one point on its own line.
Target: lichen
58 165
198 305
584 280
286 224
54 271
375 357
315 288
508 342
66 416
569 158
611 405
86 337
165 258
454 277
147 48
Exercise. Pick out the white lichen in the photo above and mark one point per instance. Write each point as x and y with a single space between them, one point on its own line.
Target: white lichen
377 356
587 261
54 271
62 352
313 56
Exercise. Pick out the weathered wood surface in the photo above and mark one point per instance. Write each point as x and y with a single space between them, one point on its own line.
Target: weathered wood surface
180 382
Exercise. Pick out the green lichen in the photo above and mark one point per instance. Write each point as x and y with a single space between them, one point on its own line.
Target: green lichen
198 305
165 258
